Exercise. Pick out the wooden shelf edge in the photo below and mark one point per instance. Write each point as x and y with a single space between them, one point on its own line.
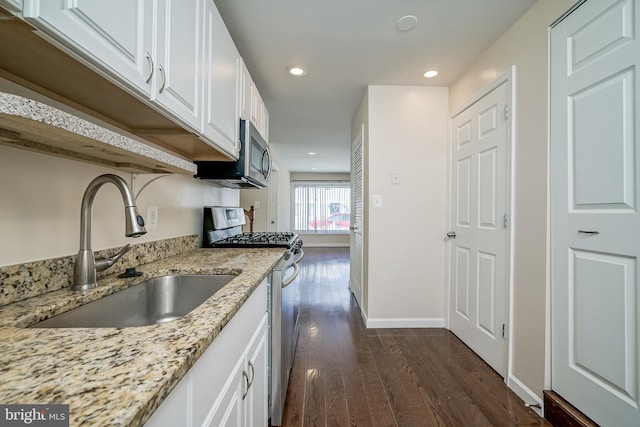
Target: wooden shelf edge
32 125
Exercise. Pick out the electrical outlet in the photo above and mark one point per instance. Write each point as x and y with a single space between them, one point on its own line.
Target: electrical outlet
152 217
256 204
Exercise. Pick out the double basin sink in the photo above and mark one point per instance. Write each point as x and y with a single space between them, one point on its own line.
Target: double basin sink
153 301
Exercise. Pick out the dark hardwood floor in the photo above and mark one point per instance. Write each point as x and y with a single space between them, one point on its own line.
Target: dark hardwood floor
345 375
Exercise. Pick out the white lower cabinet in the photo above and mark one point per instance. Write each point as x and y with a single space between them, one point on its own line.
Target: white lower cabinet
228 384
243 400
255 408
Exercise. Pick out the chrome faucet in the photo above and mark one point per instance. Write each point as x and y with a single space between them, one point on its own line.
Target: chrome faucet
84 275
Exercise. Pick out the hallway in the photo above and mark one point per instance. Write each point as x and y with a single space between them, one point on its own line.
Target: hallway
346 375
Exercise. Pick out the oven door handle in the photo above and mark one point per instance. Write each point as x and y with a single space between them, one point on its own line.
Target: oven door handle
297 260
293 277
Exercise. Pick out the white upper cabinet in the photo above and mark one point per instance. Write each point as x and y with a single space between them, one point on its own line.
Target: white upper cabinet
246 91
252 107
175 55
221 100
178 82
115 36
259 113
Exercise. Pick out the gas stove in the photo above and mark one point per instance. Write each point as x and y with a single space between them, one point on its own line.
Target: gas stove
222 228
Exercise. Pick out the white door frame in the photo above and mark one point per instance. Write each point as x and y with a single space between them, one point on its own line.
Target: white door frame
509 77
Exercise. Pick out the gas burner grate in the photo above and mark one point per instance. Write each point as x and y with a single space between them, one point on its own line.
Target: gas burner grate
258 239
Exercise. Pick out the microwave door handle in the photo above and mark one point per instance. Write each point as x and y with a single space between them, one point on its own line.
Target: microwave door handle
266 170
290 279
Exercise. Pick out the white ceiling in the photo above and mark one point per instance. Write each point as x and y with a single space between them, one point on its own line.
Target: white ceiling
345 46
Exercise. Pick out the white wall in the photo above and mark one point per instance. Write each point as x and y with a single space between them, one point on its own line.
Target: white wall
40 198
405 246
524 45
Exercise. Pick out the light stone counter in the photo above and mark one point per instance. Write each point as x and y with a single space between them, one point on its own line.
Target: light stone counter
119 377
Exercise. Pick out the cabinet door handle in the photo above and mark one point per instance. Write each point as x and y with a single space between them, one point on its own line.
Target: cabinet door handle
253 373
588 232
246 379
151 67
164 78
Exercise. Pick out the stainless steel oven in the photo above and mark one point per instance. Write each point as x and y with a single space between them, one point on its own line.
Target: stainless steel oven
222 228
284 320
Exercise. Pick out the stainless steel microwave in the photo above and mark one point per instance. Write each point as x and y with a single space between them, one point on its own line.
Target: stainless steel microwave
251 170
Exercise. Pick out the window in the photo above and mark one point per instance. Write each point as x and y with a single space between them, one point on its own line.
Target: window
322 207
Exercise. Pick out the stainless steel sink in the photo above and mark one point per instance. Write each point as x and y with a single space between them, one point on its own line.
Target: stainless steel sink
158 300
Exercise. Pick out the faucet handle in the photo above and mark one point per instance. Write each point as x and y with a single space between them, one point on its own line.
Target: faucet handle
102 263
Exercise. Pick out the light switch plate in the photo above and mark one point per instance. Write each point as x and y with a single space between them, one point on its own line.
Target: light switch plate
377 200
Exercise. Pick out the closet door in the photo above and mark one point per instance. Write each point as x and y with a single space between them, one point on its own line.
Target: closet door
595 225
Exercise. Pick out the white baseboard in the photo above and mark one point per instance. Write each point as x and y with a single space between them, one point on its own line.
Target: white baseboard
324 245
364 316
405 323
524 393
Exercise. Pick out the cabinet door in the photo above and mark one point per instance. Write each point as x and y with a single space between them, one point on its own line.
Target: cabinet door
114 37
259 114
178 61
174 410
265 123
222 78
256 411
246 87
229 411
256 102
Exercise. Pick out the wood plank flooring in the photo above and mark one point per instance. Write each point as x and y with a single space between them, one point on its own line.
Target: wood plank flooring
345 375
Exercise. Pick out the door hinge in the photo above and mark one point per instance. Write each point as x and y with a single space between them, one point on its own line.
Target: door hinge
505 220
504 330
506 111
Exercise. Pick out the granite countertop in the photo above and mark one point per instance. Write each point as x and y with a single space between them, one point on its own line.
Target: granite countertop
119 376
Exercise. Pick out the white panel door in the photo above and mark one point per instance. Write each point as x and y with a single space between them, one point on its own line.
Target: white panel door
355 240
478 233
595 225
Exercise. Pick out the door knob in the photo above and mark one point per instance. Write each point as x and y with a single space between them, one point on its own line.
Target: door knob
451 234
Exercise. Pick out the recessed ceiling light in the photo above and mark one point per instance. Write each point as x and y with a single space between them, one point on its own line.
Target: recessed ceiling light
311 153
431 73
406 23
296 70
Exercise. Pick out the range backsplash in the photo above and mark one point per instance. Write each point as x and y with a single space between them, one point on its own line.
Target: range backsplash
22 281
